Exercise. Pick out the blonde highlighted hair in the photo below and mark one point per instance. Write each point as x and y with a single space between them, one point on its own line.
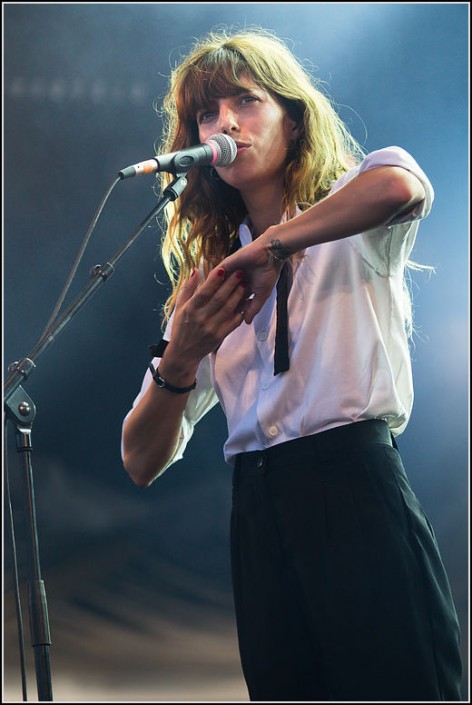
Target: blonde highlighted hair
203 223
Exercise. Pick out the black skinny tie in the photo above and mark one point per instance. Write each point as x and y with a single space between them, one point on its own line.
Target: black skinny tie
284 283
281 355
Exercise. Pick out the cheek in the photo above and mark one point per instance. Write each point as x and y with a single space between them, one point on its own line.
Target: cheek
278 132
278 143
202 132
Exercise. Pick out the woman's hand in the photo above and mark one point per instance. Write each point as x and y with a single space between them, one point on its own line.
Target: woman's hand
261 262
205 313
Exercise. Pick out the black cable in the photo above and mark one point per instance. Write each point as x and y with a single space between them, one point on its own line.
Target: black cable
78 259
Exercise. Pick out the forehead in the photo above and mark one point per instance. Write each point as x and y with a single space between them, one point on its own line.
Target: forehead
204 86
233 90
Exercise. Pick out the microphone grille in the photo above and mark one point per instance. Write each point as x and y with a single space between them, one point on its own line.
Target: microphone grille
227 149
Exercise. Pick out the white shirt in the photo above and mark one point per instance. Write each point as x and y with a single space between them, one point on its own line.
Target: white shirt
349 355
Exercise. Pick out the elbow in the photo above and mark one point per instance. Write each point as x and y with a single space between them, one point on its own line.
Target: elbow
141 481
141 475
404 190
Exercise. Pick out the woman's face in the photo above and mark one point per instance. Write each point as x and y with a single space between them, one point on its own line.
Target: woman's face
263 133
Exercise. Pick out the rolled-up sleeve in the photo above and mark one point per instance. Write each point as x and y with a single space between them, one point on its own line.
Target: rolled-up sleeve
397 156
200 401
387 248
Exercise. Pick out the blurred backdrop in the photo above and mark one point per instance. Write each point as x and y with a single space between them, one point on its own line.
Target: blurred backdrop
138 581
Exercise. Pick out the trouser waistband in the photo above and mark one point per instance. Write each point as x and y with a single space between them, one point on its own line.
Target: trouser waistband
319 445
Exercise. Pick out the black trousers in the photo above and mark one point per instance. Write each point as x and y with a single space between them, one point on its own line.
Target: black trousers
340 591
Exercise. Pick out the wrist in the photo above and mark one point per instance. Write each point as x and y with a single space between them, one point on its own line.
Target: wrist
277 252
165 384
177 373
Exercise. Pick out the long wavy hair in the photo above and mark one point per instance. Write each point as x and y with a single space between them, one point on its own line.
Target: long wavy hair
203 223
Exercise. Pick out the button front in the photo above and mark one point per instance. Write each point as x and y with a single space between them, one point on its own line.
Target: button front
273 431
262 335
260 461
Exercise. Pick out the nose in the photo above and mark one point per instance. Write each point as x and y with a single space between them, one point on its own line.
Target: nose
227 120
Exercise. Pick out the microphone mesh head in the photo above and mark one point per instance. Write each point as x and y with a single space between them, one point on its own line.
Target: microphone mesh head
226 147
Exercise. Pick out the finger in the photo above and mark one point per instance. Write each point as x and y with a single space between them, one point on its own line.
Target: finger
253 306
227 305
233 318
216 289
236 300
189 288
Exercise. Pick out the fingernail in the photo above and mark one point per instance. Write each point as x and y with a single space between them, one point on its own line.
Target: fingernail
194 271
221 272
239 275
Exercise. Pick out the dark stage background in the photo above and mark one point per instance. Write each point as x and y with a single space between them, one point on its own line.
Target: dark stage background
138 581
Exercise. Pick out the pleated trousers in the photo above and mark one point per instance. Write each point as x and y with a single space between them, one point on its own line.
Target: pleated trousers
340 591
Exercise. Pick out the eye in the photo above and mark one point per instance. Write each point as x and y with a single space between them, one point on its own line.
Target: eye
205 115
249 98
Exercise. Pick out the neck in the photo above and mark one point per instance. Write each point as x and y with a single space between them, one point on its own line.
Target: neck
264 209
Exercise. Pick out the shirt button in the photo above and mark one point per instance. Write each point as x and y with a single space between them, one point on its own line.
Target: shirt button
273 431
262 335
260 461
265 385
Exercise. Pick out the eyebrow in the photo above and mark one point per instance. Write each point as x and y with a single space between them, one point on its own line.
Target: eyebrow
234 93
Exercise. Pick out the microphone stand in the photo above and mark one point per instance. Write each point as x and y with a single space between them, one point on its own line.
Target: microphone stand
21 410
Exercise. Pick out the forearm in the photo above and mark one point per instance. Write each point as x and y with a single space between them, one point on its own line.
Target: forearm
204 315
152 431
370 200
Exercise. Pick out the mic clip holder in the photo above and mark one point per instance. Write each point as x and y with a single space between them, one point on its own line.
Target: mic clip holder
177 187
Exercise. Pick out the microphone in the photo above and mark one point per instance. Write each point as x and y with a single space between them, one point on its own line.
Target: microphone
218 150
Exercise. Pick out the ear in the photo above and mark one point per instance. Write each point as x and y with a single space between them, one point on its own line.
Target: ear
296 130
293 128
